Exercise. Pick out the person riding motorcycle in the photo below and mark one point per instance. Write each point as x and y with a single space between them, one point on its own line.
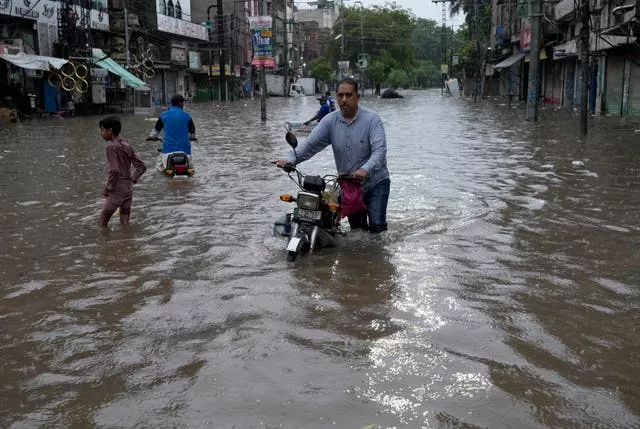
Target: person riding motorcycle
177 128
324 110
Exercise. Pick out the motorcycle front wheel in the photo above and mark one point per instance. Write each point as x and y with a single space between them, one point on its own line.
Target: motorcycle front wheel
291 256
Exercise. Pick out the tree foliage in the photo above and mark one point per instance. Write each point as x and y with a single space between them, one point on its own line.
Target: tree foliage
402 50
321 69
398 79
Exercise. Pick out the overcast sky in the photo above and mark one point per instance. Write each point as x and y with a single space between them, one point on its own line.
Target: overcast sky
421 8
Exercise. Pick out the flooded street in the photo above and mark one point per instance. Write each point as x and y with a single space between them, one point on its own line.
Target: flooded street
504 295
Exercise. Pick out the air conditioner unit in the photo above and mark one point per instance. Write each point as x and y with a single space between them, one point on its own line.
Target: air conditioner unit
37 74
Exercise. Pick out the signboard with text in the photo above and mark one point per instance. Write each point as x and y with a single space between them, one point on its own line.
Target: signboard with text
261 32
181 27
195 62
343 68
41 11
214 69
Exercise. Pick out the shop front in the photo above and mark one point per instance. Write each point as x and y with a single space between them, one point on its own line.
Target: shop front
118 84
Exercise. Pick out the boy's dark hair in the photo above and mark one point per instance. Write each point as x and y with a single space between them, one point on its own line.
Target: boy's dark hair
350 81
111 122
177 99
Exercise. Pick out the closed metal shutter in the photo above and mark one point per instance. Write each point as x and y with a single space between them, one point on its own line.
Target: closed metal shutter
155 83
553 82
633 108
614 85
570 82
172 83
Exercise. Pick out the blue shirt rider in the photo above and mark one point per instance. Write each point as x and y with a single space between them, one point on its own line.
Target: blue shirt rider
324 110
177 128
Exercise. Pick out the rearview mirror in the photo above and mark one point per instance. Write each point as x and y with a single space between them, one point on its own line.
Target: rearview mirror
291 139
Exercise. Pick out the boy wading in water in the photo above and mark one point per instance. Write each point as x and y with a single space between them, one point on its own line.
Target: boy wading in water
121 157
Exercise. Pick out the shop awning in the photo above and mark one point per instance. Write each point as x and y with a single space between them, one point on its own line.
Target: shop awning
542 56
101 60
597 42
509 61
34 62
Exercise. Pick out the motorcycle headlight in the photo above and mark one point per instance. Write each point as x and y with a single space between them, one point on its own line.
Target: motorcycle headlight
308 201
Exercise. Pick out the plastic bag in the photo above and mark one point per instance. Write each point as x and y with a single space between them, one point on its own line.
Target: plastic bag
352 197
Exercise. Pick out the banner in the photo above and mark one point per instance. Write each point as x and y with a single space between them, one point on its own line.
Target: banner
525 38
261 33
343 68
214 70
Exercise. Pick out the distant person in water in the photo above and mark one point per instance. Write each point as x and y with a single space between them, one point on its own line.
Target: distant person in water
324 110
330 101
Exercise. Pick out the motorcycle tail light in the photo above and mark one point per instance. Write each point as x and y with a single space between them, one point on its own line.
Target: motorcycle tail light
308 201
286 197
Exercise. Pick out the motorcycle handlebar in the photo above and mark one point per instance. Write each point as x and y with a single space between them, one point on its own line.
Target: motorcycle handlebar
286 167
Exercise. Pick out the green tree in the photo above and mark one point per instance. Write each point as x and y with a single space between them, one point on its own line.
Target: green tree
398 79
425 75
377 73
374 30
427 41
321 69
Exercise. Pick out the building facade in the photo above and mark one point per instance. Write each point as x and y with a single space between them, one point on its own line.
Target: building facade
614 80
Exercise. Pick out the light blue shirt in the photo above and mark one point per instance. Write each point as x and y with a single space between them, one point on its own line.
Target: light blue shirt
360 143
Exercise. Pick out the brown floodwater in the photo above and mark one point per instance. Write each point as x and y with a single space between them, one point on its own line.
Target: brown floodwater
506 292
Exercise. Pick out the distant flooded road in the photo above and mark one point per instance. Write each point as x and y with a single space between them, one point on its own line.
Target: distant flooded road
506 293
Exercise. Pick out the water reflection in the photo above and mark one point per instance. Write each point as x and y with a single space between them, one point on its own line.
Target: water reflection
349 293
504 294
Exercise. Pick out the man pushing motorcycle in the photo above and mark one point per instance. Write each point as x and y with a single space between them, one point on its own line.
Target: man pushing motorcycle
359 144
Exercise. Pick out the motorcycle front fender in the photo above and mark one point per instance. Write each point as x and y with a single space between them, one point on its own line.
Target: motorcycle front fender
298 238
295 244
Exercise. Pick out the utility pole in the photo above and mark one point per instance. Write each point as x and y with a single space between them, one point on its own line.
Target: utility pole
480 62
286 52
263 77
584 66
361 56
223 77
210 51
126 36
363 70
443 44
361 33
342 29
533 94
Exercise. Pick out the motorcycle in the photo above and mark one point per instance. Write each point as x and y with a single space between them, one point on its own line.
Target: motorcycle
315 221
174 164
298 127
